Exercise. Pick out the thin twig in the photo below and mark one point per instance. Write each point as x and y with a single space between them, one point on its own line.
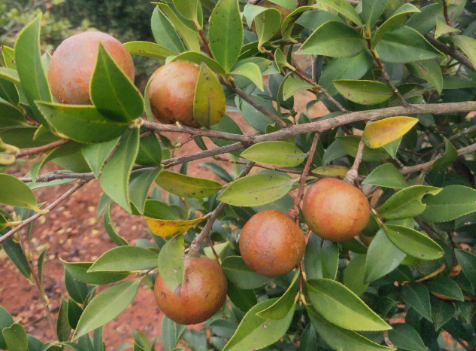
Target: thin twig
41 149
450 51
38 215
205 43
294 210
353 173
451 138
197 242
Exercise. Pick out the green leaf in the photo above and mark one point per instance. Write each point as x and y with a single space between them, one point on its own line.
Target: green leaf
342 307
417 296
171 262
443 28
82 123
380 133
63 329
407 202
441 312
226 33
321 259
406 338
96 154
467 262
371 11
413 243
76 289
114 179
251 71
350 145
405 45
80 271
9 92
112 91
293 86
354 275
242 299
239 274
467 45
387 176
11 115
6 321
266 22
150 152
125 259
40 263
165 33
188 35
257 190
278 153
365 92
341 339
209 101
106 306
255 333
382 257
345 9
395 21
334 39
15 338
16 254
187 8
14 192
147 49
30 70
10 75
284 304
452 202
446 287
171 333
429 70
450 156
199 58
186 186
140 185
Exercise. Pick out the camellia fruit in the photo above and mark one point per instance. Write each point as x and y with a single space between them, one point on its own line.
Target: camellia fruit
172 94
201 295
335 210
73 62
271 244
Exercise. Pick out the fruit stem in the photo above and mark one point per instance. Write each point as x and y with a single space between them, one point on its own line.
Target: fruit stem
353 173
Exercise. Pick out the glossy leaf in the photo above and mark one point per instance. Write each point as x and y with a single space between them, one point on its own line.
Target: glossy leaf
96 154
80 271
15 338
344 8
14 192
209 100
266 22
167 227
342 307
10 75
186 186
429 70
11 115
354 275
418 297
226 33
350 145
172 263
239 274
188 35
387 176
187 8
140 185
147 49
257 190
334 39
278 153
251 71
63 328
413 243
82 123
365 92
450 156
467 45
106 306
407 202
321 259
6 321
171 333
242 299
16 254
114 179
467 262
406 338
255 332
385 131
293 86
445 287
452 202
125 259
164 32
371 11
76 289
199 58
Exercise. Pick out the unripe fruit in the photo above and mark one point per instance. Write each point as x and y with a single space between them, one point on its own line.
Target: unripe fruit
201 295
271 244
172 91
73 62
335 210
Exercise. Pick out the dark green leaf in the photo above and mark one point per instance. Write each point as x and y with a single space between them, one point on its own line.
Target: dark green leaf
63 329
125 259
172 261
387 176
321 259
16 254
417 296
239 274
79 270
414 243
452 202
96 154
406 338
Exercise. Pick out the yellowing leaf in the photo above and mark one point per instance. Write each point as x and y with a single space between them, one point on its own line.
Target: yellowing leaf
167 227
380 133
332 170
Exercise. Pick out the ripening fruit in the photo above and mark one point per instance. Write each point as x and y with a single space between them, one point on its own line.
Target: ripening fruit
72 65
271 243
201 295
335 210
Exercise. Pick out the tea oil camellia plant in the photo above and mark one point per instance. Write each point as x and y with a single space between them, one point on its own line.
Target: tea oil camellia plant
349 231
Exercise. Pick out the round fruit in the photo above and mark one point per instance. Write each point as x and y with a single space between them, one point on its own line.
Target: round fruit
201 295
335 210
271 244
73 63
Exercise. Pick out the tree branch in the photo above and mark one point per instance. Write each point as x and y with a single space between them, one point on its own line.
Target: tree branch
38 215
450 51
353 173
42 149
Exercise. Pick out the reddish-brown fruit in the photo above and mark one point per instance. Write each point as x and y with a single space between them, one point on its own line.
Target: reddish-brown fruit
335 210
172 91
201 295
271 244
73 63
